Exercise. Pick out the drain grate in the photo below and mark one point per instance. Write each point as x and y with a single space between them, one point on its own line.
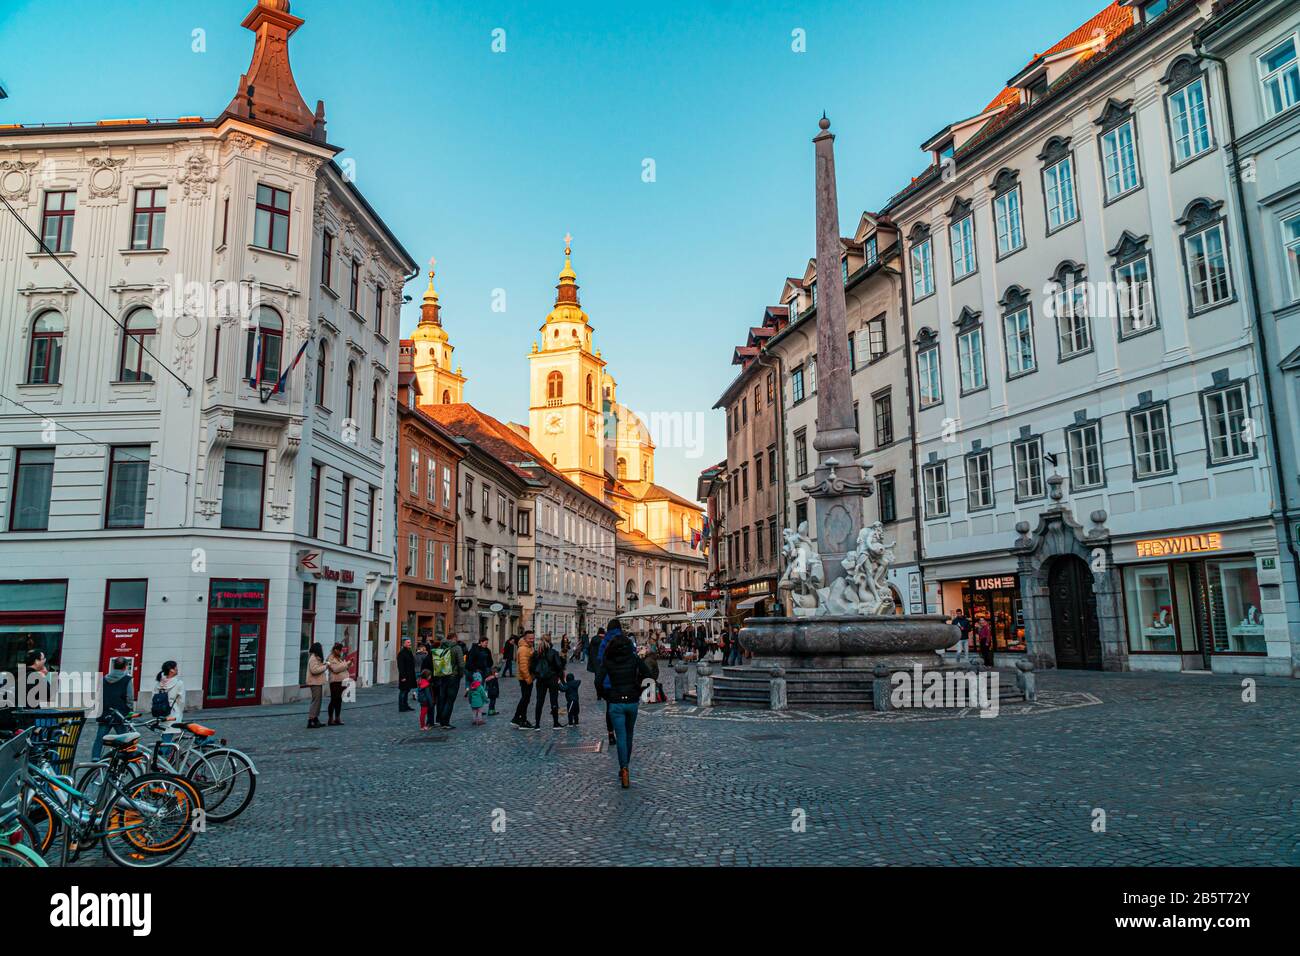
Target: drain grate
425 739
566 749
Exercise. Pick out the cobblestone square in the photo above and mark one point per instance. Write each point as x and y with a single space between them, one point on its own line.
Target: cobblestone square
1185 772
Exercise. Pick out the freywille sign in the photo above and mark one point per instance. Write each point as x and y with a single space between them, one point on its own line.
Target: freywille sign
1181 544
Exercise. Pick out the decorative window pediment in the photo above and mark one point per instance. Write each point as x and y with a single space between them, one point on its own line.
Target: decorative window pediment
1015 298
926 337
1006 180
1199 212
920 232
1129 247
1182 71
1057 149
959 209
968 319
1116 113
1068 271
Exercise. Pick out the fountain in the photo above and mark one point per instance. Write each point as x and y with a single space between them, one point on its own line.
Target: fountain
843 633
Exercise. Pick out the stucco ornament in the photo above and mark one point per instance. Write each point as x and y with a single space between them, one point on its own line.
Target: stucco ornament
196 175
105 176
804 572
16 180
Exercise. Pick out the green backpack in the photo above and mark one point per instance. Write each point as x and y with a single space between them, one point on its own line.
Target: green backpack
440 662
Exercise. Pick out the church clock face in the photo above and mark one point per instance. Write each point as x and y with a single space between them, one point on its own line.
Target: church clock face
554 423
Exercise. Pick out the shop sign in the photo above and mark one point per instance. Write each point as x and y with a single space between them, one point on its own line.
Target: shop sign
1181 544
433 597
1005 582
312 562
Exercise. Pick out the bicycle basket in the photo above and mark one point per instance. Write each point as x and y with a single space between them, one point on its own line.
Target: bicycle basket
45 723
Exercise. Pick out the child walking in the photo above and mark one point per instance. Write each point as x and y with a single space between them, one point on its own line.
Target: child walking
571 685
478 697
424 695
493 691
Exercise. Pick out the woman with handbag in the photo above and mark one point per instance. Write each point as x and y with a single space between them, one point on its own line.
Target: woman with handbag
316 670
337 665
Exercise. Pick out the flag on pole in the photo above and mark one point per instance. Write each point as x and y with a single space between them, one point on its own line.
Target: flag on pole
284 376
256 379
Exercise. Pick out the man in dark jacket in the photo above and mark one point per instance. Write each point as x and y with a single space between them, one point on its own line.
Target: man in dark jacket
479 658
405 675
114 704
547 666
597 651
622 671
447 677
508 656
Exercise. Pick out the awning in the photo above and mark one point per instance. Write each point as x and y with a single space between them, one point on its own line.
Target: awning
646 612
751 602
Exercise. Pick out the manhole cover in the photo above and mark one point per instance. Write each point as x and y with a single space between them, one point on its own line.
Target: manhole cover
593 748
425 739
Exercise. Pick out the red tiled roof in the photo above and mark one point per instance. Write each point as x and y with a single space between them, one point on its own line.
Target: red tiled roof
1111 22
660 493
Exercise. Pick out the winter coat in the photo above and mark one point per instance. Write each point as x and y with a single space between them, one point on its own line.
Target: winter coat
115 697
623 671
552 665
523 658
175 688
315 671
406 666
478 659
338 669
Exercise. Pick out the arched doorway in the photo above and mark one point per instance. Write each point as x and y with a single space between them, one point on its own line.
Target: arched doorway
1075 629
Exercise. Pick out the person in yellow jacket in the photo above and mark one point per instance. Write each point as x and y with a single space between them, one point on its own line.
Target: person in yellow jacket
523 657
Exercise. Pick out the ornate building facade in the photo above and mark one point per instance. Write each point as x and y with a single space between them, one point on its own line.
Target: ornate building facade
203 474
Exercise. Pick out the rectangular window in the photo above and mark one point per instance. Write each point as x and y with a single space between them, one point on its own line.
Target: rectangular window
446 563
56 220
934 479
927 371
487 503
1027 456
431 480
469 495
1189 120
1207 267
1074 333
345 512
327 259
1149 433
271 222
428 560
810 370
796 385
853 355
1134 298
525 523
873 252
1018 327
149 219
501 509
771 462
1083 443
446 486
33 482
128 487
800 513
886 502
524 574
758 472
414 477
744 481
801 453
970 356
379 309
1225 423
313 502
771 388
1010 226
922 270
1058 189
876 345
354 287
31 618
372 496
412 553
962 236
242 488
1279 77
1291 249
882 407
979 481
1119 160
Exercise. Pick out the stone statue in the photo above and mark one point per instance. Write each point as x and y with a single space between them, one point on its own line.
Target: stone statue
804 573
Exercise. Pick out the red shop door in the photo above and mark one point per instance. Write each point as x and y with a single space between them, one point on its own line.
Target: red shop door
236 645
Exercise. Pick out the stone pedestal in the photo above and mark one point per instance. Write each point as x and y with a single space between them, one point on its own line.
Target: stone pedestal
777 698
704 684
679 681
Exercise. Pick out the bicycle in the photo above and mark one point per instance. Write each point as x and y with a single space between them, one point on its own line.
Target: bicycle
141 821
18 837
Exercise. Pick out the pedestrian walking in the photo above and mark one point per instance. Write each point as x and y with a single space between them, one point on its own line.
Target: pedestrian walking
424 697
493 691
169 683
547 666
622 670
524 657
570 688
652 668
447 662
405 675
564 647
114 704
477 696
316 671
508 656
593 665
337 665
984 639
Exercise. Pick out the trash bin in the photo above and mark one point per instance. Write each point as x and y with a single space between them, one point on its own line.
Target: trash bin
44 721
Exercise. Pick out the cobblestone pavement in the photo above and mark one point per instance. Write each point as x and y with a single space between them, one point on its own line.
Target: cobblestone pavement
1184 770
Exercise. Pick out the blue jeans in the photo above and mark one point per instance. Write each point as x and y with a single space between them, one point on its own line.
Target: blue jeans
97 750
623 717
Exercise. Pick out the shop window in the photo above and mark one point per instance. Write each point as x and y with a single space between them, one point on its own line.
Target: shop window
1236 619
1150 601
31 619
308 631
347 624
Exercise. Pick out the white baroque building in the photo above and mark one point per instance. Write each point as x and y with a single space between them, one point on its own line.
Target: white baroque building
1094 466
175 487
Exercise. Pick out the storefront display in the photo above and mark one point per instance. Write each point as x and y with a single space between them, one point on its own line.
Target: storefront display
347 626
1236 619
31 618
1194 607
997 598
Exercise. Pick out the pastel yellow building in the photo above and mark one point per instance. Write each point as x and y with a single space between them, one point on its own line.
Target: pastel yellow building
441 383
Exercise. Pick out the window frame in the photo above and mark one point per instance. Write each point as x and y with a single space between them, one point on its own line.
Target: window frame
1115 118
1077 428
112 479
1242 387
273 213
18 467
60 218
1033 466
1055 155
928 346
261 497
1071 284
1293 66
921 265
143 371
1006 186
1183 74
1291 254
972 462
971 329
155 216
886 397
261 332
961 227
1129 252
1202 217
1145 410
54 349
940 487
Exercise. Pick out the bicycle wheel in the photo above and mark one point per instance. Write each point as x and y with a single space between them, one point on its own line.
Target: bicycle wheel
42 820
227 781
15 856
149 821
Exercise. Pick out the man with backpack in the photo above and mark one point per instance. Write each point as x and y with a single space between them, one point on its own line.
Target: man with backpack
547 667
446 663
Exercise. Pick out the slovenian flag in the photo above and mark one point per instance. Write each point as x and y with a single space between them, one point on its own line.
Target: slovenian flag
284 376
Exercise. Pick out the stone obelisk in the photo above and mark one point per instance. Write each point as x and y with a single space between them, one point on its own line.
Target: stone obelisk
839 483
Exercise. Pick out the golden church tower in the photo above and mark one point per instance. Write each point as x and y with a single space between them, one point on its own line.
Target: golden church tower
431 359
564 419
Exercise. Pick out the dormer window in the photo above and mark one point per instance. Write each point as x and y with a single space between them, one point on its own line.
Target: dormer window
873 251
1036 90
1153 9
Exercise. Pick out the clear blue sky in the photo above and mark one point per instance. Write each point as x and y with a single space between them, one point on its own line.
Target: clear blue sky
486 160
